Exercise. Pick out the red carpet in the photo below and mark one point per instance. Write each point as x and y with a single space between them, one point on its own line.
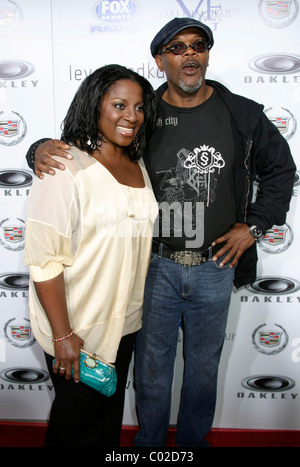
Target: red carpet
27 434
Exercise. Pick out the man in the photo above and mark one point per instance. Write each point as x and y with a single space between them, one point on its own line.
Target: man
209 147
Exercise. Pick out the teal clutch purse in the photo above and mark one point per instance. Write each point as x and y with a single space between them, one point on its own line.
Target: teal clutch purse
97 374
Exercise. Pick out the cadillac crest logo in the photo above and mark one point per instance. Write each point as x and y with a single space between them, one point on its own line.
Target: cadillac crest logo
278 14
284 120
277 239
12 234
13 128
18 333
11 17
269 340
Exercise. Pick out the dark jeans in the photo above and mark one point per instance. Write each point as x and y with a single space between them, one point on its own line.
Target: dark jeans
82 417
199 297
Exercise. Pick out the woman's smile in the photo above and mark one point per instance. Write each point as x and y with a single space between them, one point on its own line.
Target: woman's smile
126 131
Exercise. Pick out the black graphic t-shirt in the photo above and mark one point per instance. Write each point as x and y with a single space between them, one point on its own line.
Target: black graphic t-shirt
191 165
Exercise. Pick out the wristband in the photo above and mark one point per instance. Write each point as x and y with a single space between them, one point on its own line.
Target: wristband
30 156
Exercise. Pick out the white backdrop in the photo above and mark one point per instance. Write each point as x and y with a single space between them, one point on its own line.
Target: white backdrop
48 47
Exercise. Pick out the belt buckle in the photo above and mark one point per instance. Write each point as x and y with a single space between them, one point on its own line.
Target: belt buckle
188 258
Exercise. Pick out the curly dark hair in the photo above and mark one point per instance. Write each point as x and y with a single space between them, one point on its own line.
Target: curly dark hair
81 121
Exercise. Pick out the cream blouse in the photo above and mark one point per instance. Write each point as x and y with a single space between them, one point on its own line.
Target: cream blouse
98 232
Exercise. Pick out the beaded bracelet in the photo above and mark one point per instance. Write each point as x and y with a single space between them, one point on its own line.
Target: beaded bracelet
59 339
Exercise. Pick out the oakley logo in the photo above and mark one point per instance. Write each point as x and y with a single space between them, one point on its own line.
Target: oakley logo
273 286
14 178
24 375
10 69
14 281
267 383
277 64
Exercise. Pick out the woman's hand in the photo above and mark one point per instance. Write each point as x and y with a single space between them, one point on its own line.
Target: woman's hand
52 296
67 355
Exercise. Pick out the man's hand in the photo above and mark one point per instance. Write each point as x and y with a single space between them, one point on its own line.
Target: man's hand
43 157
238 240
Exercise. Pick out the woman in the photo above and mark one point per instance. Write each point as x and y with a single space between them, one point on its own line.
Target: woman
88 241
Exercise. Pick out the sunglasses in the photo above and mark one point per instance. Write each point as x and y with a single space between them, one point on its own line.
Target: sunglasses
178 48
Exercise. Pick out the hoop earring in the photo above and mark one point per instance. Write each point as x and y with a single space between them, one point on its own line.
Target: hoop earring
136 144
94 146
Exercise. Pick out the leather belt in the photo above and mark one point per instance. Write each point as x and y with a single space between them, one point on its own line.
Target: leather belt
183 257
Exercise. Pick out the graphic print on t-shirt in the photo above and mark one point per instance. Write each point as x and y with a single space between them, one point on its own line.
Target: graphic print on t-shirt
186 189
191 164
204 161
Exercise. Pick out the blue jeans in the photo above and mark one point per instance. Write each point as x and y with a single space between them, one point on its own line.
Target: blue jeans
199 297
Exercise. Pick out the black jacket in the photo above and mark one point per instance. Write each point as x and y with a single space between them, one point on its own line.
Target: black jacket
262 155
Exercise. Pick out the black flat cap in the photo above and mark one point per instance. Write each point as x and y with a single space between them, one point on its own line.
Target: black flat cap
175 26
